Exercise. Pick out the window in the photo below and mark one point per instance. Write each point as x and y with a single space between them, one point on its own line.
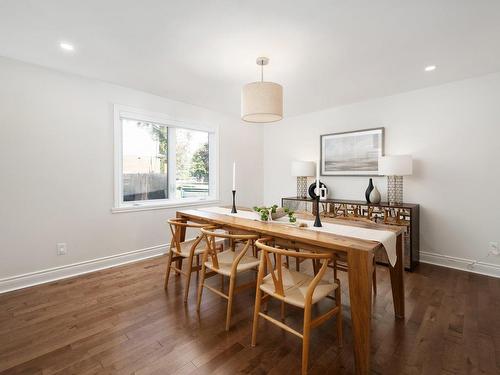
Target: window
161 162
144 160
192 163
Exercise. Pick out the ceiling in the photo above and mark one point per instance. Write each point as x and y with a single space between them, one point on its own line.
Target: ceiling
325 53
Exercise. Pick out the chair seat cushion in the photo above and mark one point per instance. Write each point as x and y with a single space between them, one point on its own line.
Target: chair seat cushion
295 285
200 247
226 259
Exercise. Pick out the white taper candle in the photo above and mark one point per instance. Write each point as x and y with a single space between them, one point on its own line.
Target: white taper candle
317 177
234 175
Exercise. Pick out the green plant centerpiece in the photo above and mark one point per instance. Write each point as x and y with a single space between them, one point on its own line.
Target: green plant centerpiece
274 212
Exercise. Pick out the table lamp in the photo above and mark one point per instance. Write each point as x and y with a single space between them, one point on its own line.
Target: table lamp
395 167
302 170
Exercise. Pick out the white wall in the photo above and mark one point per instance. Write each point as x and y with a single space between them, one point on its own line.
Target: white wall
453 133
56 164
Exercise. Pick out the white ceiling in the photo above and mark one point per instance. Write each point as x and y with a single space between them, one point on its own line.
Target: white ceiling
324 53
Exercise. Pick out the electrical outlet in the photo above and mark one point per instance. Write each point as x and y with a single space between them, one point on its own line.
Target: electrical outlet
494 249
61 248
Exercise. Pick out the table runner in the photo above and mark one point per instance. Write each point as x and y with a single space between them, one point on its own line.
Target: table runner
387 238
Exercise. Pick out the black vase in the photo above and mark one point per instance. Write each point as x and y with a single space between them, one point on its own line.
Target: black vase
368 191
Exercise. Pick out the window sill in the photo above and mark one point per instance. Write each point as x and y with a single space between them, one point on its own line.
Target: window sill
162 206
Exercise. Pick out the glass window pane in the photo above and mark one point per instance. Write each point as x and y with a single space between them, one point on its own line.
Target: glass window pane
192 163
144 161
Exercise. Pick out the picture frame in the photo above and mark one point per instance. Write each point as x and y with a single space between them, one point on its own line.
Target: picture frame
352 153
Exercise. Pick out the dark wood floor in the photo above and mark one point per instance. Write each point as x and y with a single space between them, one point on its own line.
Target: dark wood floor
121 321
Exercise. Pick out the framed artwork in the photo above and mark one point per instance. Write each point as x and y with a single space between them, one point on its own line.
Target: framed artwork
352 153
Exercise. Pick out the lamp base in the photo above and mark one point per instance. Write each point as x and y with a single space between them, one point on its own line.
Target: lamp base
395 189
302 187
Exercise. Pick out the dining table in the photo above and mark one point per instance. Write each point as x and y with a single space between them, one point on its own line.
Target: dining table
358 251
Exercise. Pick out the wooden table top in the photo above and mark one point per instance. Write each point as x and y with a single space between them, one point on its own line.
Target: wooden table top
295 234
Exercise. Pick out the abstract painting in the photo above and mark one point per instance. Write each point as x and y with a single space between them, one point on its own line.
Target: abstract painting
353 153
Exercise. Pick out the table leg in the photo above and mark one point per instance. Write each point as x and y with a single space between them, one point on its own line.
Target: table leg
397 281
360 293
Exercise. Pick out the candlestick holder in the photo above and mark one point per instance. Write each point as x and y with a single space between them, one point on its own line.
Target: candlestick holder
233 210
317 221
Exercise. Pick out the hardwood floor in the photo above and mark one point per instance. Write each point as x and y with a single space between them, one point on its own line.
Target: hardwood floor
121 321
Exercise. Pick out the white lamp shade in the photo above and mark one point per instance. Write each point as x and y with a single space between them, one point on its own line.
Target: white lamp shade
303 168
395 165
262 102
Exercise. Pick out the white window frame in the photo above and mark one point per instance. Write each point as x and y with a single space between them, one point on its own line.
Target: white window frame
134 113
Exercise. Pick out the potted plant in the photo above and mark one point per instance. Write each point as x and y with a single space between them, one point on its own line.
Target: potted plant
275 213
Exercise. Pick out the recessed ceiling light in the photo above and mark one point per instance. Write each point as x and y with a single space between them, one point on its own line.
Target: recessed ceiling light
66 46
430 68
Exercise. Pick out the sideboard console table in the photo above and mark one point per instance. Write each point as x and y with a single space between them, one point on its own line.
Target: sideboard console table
405 214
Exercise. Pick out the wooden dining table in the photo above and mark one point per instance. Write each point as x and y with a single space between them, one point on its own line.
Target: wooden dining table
359 253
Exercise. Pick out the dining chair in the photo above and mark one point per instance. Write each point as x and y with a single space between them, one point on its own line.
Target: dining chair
187 249
295 288
228 263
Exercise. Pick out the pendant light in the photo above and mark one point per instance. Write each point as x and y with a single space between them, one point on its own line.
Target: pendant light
262 102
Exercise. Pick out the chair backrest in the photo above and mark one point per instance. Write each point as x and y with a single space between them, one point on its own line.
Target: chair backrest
178 226
276 269
212 232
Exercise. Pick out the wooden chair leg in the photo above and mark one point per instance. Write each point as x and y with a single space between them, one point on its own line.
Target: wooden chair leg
188 278
338 301
266 306
297 263
305 339
374 277
315 266
255 327
167 272
198 266
200 287
232 281
179 266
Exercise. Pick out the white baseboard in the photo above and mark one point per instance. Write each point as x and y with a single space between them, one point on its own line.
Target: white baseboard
483 268
70 270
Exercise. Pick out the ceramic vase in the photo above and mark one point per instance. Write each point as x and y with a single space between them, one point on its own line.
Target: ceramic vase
375 196
323 193
312 190
368 191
